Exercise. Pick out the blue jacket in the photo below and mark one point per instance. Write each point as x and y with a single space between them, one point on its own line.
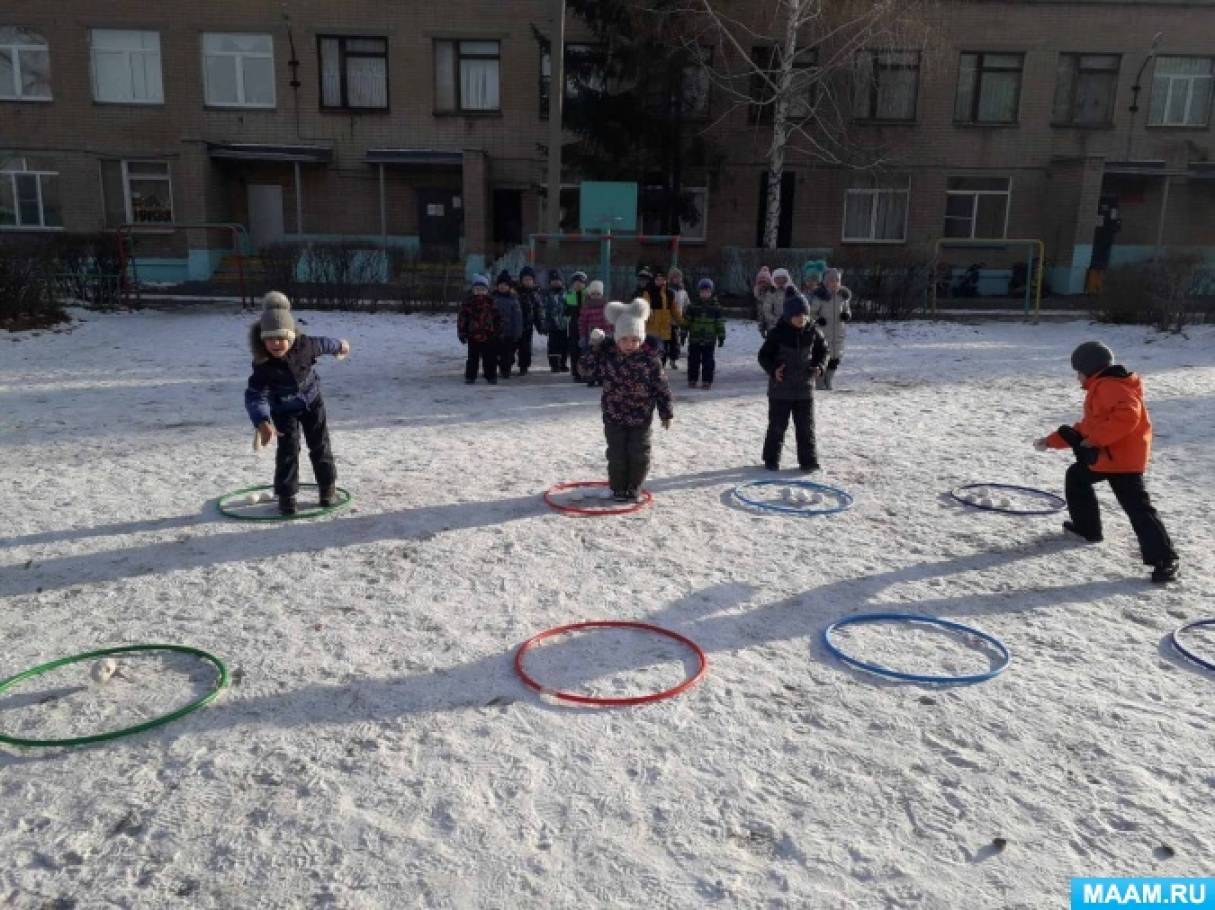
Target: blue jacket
510 315
285 385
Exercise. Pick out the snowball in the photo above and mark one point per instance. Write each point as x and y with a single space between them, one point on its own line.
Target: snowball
985 502
1004 502
103 670
816 499
789 494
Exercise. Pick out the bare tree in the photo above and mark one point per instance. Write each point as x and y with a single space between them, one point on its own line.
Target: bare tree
799 65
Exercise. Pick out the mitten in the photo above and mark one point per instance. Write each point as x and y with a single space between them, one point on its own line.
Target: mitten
833 363
1070 435
822 320
666 423
463 340
597 336
721 342
845 316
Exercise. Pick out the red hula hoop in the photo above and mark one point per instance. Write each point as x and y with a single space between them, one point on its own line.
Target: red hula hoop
688 683
646 498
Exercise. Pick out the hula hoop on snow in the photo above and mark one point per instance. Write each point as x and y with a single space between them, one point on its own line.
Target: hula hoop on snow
220 682
1060 502
702 664
845 498
962 680
225 504
1185 652
646 498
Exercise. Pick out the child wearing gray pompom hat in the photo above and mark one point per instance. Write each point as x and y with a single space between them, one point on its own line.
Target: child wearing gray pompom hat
283 397
1112 442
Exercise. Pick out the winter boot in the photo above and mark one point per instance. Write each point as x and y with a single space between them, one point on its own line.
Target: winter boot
1071 528
328 496
286 505
1165 571
706 386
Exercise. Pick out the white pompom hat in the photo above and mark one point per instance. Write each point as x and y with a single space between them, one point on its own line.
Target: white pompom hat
627 319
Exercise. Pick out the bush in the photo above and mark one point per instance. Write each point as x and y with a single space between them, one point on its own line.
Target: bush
339 275
87 270
27 285
895 287
1159 293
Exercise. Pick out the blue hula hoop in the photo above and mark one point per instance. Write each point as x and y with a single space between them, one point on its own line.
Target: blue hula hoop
845 498
879 670
1060 502
1185 652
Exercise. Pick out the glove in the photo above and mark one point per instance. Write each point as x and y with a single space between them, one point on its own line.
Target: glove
833 363
463 340
721 342
822 320
343 350
666 423
1070 435
845 316
597 336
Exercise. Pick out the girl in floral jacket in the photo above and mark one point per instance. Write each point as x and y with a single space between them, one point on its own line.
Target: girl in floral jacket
634 384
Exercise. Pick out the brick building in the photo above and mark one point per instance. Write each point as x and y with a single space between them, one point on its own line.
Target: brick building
419 126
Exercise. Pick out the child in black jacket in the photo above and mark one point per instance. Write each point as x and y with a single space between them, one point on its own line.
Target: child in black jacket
793 356
284 395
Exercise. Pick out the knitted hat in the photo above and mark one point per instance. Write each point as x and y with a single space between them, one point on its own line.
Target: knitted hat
527 272
578 276
675 275
1091 357
480 281
833 274
795 303
277 321
705 284
814 268
503 277
628 319
595 289
645 273
763 276
781 273
554 275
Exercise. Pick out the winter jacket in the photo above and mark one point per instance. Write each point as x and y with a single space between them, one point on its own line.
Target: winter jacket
287 384
800 352
591 318
829 312
769 306
663 318
510 315
703 322
531 305
478 320
633 384
556 322
1115 422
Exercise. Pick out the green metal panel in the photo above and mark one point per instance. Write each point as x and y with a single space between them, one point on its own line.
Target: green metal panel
607 205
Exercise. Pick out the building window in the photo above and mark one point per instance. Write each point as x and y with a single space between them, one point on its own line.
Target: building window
1181 91
878 213
887 83
25 65
1086 89
137 192
126 67
238 70
29 194
765 69
354 73
695 86
466 77
989 88
977 207
693 222
584 74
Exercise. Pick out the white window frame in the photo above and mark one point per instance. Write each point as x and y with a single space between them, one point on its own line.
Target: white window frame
1189 101
15 50
11 175
240 57
129 55
974 210
875 193
126 189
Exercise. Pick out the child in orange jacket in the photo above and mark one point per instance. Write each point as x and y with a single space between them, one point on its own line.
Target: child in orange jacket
1113 442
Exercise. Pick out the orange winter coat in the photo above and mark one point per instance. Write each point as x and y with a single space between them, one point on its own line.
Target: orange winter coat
1115 421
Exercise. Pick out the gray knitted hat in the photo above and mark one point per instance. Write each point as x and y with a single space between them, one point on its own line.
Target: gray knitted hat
277 321
1091 357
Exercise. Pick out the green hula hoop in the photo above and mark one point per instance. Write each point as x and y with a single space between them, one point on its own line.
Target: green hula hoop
193 706
224 500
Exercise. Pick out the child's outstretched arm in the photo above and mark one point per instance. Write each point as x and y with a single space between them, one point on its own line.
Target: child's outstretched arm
1115 415
331 347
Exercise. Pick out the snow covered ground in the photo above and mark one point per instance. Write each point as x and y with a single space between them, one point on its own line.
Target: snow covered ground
376 748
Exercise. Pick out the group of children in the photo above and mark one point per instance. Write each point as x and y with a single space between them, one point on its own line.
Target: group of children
614 346
829 301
